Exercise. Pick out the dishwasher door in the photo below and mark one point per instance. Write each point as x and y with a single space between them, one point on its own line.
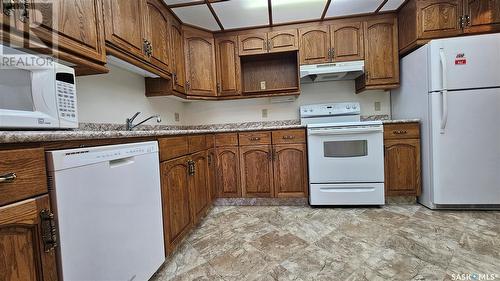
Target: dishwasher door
107 202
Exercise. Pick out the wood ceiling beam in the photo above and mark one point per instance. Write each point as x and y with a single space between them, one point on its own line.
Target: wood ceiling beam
326 9
214 14
270 11
381 6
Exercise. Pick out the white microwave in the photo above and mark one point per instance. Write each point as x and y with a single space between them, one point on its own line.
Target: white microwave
36 92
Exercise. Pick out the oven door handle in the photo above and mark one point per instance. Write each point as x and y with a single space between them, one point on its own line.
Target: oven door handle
323 132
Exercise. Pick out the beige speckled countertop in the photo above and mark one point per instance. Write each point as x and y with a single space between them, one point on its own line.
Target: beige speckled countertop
98 131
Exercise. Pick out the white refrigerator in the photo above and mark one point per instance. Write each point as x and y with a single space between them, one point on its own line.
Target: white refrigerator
453 86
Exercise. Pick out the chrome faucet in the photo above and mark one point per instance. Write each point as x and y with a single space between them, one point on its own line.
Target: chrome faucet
129 122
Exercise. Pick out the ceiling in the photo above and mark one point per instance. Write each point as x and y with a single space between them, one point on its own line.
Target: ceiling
218 15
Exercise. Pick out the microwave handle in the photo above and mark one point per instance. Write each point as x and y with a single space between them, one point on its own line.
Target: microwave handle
323 132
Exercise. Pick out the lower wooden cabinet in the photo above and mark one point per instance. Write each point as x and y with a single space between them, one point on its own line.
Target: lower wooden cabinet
256 167
23 254
199 191
228 172
177 217
290 170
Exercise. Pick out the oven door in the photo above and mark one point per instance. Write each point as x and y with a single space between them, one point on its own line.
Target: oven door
27 93
346 154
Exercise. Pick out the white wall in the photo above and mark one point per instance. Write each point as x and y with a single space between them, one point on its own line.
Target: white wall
216 112
112 97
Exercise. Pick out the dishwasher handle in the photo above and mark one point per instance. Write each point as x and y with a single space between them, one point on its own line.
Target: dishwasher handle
345 131
115 163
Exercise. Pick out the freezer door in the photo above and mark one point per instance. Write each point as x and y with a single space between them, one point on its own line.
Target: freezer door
470 62
466 155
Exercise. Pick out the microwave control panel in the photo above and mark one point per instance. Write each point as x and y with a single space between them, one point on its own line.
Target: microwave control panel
66 97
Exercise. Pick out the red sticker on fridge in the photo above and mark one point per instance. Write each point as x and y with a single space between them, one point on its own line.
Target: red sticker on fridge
460 59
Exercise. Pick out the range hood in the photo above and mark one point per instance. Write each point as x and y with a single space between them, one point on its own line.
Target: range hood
331 71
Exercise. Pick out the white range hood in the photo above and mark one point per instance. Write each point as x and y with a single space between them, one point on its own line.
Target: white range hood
331 71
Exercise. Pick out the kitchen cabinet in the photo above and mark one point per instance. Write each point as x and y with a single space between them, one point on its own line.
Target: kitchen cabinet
268 42
228 66
402 159
199 51
177 43
256 170
199 189
228 172
381 54
290 170
177 213
347 41
27 242
158 34
423 20
314 42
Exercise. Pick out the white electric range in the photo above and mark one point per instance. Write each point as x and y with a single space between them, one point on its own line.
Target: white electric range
345 155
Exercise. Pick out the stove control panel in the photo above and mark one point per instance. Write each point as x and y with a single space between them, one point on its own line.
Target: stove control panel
330 109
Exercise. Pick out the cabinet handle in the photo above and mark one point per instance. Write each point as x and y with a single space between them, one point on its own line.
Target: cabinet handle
467 20
330 54
400 132
218 88
49 231
8 178
25 13
333 54
188 85
288 137
275 155
209 159
269 45
461 22
191 168
254 139
8 7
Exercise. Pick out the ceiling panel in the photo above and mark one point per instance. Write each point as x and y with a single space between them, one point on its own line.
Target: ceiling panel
242 13
173 2
352 7
198 15
297 10
392 5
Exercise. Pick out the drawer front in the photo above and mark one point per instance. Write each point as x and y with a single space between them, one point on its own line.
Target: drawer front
197 143
289 136
228 139
252 138
173 147
402 131
30 180
210 139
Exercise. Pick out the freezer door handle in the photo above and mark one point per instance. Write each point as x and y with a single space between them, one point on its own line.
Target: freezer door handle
444 92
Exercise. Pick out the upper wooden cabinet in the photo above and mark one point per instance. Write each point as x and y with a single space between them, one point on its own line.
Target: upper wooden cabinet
158 34
199 51
177 47
314 42
423 20
268 42
347 41
228 66
381 55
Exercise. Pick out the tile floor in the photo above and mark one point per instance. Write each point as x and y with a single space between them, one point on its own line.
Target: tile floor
398 242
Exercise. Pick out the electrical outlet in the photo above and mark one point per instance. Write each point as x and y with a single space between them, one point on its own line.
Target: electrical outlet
377 106
177 117
264 113
262 85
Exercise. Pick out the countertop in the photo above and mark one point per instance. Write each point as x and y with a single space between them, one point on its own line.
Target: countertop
109 131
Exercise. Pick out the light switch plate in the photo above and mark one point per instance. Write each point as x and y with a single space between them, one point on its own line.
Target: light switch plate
177 117
264 113
377 106
262 85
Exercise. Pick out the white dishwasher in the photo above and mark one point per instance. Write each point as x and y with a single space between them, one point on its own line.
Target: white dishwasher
107 202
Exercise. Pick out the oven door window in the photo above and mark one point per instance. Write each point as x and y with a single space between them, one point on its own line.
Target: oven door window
15 90
344 149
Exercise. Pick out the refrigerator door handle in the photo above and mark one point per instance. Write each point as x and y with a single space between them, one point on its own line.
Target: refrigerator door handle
444 92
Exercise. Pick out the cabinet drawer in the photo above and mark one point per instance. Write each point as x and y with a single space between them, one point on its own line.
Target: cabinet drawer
197 143
228 139
289 136
252 138
210 139
402 131
173 147
30 179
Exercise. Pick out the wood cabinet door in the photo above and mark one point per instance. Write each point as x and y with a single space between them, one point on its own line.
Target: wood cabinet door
177 43
228 172
283 41
177 219
381 52
211 174
125 25
252 44
314 44
347 41
200 193
483 16
256 171
439 18
23 256
73 25
158 34
290 170
228 66
402 167
200 64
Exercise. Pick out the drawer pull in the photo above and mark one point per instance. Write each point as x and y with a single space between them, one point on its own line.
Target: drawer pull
49 231
288 137
255 139
400 132
7 178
